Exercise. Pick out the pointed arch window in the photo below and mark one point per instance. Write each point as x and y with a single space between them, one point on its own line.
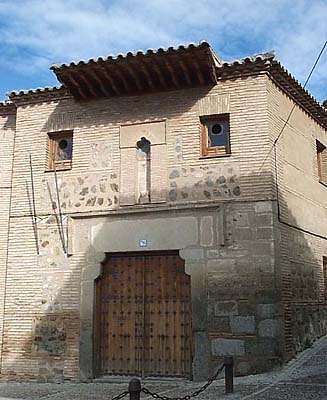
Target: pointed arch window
143 155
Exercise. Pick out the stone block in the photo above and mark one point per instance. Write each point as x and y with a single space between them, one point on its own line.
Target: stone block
241 220
227 347
159 233
267 346
266 311
200 366
191 254
263 207
243 234
155 132
197 270
246 307
242 324
91 272
263 248
218 324
225 308
221 265
206 231
270 328
263 219
199 309
263 263
265 233
213 253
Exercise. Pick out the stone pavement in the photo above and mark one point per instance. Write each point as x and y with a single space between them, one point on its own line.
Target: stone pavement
304 378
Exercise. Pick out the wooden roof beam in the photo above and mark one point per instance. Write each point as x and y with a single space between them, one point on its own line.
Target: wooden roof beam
76 85
186 73
134 77
199 73
123 81
160 75
172 73
88 84
102 87
111 81
147 74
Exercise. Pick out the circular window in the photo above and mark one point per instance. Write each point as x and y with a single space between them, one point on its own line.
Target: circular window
217 129
63 144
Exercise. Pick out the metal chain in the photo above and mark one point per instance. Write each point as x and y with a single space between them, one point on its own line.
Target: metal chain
189 396
120 396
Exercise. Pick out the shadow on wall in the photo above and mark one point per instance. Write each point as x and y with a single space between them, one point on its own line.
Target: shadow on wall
9 115
241 287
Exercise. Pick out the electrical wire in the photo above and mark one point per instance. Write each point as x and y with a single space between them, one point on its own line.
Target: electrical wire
294 105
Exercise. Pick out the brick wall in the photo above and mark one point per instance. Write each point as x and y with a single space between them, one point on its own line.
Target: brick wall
302 202
96 152
7 131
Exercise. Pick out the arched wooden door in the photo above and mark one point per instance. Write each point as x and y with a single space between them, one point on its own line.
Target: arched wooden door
143 318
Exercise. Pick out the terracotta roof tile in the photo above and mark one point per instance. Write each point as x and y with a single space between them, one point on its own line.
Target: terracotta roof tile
46 89
120 56
7 106
268 56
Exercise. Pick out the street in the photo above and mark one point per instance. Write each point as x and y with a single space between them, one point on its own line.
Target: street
304 378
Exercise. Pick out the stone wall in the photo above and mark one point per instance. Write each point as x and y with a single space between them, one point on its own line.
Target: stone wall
210 182
244 313
229 254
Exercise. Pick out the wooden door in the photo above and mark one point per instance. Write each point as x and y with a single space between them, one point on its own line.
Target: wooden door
144 315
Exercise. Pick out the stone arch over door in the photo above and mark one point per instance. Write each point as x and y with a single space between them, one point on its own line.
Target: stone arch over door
165 233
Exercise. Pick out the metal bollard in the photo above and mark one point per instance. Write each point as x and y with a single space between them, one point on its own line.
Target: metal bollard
229 372
134 388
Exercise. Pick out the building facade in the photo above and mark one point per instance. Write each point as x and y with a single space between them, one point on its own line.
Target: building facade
160 210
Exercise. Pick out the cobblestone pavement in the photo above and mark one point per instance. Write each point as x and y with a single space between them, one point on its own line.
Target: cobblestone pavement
304 378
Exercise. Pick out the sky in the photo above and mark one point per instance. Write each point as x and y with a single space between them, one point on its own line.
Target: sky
37 33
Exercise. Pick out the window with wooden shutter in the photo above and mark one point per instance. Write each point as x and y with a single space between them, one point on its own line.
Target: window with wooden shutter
215 135
60 150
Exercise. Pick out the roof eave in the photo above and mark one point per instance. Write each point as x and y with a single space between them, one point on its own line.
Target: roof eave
39 94
140 72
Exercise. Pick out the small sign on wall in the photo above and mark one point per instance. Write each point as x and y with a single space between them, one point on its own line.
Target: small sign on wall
143 242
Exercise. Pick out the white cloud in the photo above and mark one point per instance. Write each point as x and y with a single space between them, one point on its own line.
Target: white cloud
37 33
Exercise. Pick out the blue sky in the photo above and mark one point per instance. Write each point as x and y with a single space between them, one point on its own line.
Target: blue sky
37 33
